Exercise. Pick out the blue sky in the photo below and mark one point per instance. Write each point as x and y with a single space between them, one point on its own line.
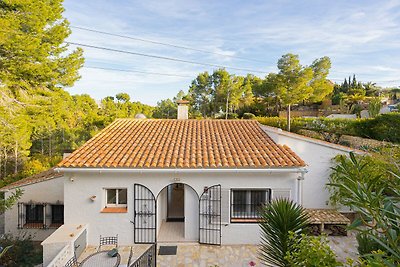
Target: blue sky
360 37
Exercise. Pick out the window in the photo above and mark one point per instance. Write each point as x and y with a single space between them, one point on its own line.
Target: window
116 198
40 215
246 204
34 214
57 215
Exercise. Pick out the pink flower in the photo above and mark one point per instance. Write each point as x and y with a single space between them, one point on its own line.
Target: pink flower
252 263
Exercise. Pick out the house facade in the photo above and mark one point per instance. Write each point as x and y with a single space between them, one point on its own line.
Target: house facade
173 181
207 177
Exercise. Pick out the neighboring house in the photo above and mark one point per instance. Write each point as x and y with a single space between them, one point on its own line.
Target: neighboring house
40 210
182 180
342 116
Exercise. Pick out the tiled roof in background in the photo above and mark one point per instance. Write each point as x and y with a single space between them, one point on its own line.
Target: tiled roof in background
149 143
40 177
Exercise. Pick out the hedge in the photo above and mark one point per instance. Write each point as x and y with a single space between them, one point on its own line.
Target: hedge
385 127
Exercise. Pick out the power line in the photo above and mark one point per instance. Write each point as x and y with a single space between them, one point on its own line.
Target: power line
166 44
138 71
162 57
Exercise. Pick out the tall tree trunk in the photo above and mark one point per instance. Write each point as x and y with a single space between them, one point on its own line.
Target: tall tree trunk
42 146
16 157
227 104
50 152
5 161
288 117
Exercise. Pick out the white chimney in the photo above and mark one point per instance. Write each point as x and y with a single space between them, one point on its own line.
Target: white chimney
183 109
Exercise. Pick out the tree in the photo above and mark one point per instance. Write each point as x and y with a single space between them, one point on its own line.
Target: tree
292 82
201 94
374 107
7 203
123 97
320 84
32 46
165 109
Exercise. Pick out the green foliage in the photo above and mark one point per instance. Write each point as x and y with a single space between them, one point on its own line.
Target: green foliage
32 46
376 201
383 127
337 126
310 251
380 128
279 218
3 251
23 252
249 116
7 203
366 245
166 109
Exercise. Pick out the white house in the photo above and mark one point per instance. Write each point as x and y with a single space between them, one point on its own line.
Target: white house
40 210
177 181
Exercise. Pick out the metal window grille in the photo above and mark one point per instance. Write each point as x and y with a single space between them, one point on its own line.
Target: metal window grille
57 215
32 215
246 204
40 215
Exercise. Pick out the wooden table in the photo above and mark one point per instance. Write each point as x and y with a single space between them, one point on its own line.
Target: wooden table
101 259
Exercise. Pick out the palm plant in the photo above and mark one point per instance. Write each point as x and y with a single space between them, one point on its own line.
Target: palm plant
279 218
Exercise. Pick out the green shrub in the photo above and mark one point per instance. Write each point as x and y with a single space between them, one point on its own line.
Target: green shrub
248 116
366 245
310 251
384 127
279 218
376 198
23 253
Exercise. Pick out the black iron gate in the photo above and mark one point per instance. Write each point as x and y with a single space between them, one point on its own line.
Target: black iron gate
145 215
210 216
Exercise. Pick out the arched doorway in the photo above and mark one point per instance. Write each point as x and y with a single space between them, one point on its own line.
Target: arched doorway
177 214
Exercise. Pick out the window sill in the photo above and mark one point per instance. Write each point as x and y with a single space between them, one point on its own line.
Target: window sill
34 226
115 210
250 220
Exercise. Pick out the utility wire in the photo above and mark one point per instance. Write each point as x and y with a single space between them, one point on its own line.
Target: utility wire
138 71
162 57
166 44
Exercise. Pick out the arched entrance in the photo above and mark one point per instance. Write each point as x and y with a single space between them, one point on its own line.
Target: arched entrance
177 214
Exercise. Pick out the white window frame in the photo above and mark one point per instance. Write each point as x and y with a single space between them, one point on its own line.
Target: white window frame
117 204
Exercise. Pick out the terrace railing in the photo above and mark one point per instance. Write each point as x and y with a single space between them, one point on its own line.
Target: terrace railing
147 259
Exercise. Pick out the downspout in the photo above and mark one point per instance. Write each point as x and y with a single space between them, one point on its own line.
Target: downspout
299 187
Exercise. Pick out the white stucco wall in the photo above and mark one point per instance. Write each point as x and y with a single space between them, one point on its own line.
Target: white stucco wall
191 214
318 157
49 191
80 209
161 207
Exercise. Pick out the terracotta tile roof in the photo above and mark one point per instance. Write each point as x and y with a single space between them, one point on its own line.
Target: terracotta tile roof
40 177
326 216
130 143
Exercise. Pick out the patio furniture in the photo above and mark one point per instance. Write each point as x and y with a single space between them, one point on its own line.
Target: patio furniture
72 262
101 259
108 240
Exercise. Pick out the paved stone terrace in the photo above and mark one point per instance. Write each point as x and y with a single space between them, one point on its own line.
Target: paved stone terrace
193 254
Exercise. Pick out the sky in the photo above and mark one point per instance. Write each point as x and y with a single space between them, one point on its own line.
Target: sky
360 37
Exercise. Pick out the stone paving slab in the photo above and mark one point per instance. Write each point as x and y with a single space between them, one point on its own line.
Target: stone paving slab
211 256
196 255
